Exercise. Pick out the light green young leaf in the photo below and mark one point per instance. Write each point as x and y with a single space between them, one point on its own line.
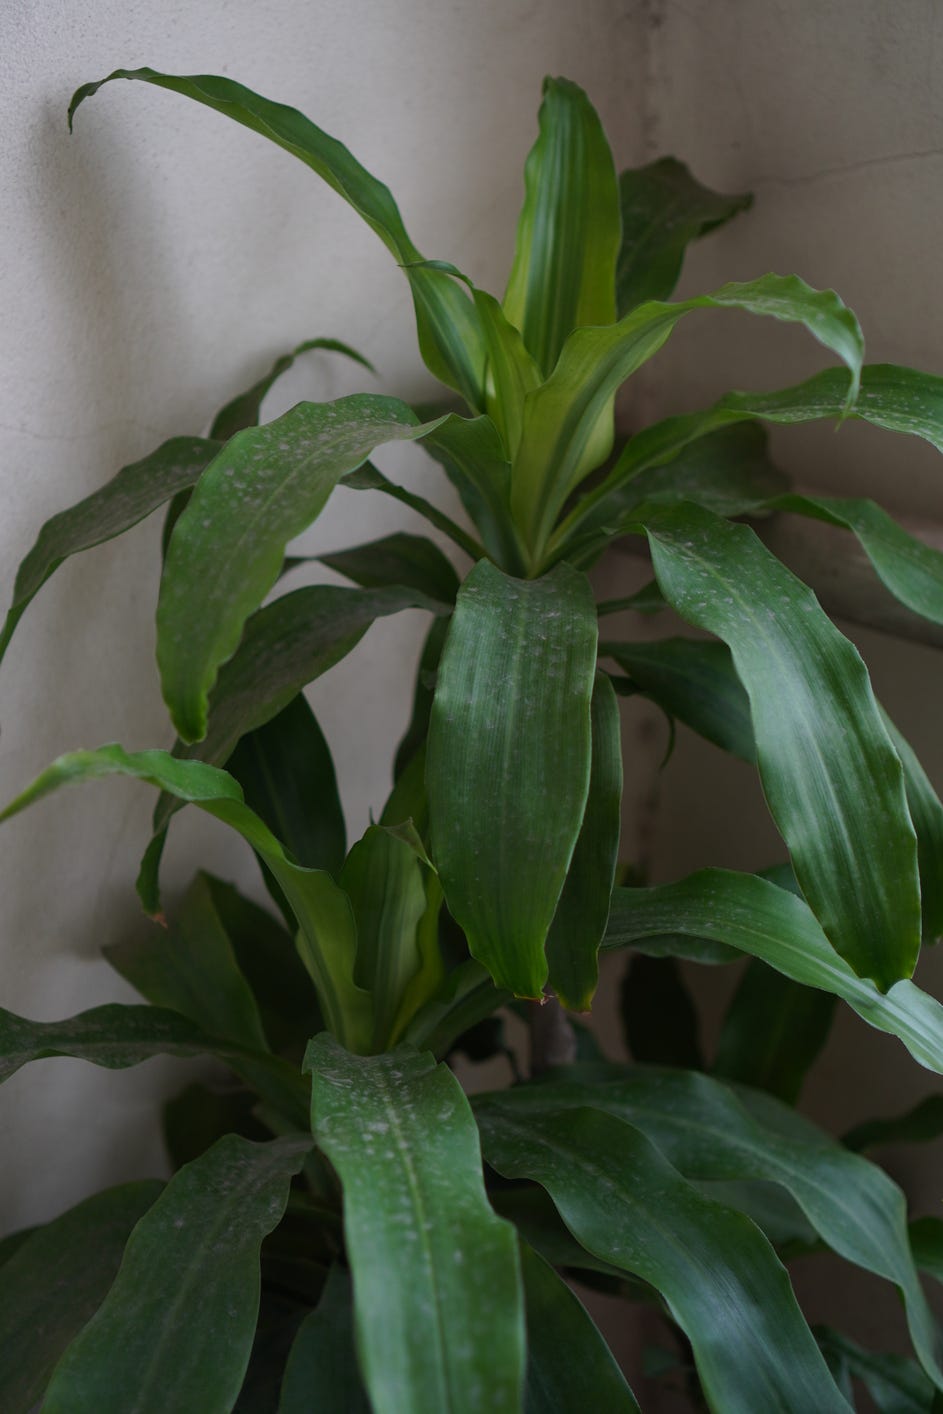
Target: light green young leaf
175 1330
438 1306
266 486
624 1202
39 1314
568 233
449 337
580 920
664 208
134 493
508 761
831 777
754 916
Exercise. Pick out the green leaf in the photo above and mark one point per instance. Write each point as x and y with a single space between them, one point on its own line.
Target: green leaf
175 1331
624 1202
245 409
664 208
701 1128
134 493
383 879
918 1125
449 336
466 996
569 1365
54 1283
511 371
471 453
508 761
831 777
579 923
926 811
557 446
755 917
659 1019
266 486
369 478
436 1286
896 1385
926 1240
408 560
569 228
412 745
322 1367
328 933
773 1030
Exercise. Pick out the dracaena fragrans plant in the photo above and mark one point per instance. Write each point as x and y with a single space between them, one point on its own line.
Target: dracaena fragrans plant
330 1238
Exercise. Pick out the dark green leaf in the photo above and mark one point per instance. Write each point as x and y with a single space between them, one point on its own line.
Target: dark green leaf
569 1365
896 1385
436 1287
926 1240
193 1120
322 1370
659 1019
265 487
664 208
508 761
580 920
831 777
915 1126
569 228
449 337
755 917
414 738
623 1201
773 1030
244 410
175 1331
926 811
370 478
408 560
465 997
54 1283
134 493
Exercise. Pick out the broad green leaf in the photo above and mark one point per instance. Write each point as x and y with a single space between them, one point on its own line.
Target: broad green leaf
580 920
625 1202
511 371
701 1127
265 487
773 1030
755 917
569 1365
280 1315
322 1367
328 933
896 1385
408 560
428 978
175 1330
918 1125
198 1115
383 879
569 229
647 600
831 777
244 409
411 749
449 337
926 811
659 1019
508 761
466 996
471 453
664 208
191 968
438 1307
55 1281
134 493
557 445
370 478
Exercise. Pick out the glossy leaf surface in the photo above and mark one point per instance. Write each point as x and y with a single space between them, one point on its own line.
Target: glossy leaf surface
508 761
743 911
624 1202
436 1287
176 1328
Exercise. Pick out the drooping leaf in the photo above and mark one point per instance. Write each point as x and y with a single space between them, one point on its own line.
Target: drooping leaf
743 911
54 1283
664 208
773 1030
322 1367
702 1128
408 560
449 337
439 1313
569 1365
266 486
568 232
831 777
580 920
508 761
328 932
557 447
129 497
918 1125
175 1330
659 1019
625 1202
245 408
896 1385
926 812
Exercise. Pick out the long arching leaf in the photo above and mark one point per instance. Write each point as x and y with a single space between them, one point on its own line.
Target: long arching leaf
437 1298
322 1365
